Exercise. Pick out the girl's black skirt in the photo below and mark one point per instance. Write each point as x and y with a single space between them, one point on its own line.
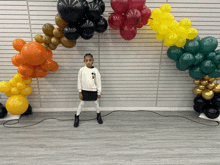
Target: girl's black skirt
89 95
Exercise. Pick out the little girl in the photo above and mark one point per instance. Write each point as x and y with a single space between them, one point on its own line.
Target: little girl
89 86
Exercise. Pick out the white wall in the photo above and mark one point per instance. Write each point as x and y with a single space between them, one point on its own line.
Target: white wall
135 73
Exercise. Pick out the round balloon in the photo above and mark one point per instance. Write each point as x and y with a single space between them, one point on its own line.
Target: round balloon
120 6
211 111
132 17
71 32
87 30
136 4
18 44
101 5
101 25
127 32
94 11
3 111
115 21
145 14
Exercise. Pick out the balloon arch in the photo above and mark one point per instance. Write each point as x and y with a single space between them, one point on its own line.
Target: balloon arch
78 18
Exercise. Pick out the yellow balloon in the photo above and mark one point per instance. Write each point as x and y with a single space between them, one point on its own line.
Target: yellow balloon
163 29
181 32
4 86
166 22
185 22
155 14
12 82
174 25
192 33
170 38
180 42
14 90
154 25
26 91
17 104
208 94
166 8
29 81
170 17
17 77
160 37
8 94
167 44
21 85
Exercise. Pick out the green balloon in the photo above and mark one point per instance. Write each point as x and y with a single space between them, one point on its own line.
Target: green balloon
196 73
207 66
216 73
217 51
199 57
174 53
186 59
208 44
197 38
192 47
216 59
218 66
210 56
180 67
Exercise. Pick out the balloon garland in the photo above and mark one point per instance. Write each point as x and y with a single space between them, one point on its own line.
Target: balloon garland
83 19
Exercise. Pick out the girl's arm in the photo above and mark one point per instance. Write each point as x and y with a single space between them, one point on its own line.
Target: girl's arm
98 83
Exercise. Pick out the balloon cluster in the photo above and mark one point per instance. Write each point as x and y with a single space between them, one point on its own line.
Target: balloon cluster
129 15
33 60
199 56
206 87
83 18
209 107
168 29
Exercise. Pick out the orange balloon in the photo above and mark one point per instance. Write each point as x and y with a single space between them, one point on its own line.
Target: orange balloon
40 72
25 70
49 54
55 67
34 53
18 44
47 64
19 58
13 60
24 77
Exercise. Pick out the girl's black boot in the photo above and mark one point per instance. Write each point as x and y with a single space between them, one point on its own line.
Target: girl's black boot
76 122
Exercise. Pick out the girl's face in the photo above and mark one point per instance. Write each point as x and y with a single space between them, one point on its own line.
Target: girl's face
88 61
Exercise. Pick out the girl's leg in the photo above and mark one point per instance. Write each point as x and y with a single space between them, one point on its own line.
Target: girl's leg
97 106
80 107
99 118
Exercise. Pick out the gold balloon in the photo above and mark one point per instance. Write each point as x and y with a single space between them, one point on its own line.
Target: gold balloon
211 85
55 41
202 87
208 94
45 45
48 29
217 88
217 78
204 82
47 39
207 77
38 38
197 91
196 81
211 79
58 33
52 46
67 43
60 22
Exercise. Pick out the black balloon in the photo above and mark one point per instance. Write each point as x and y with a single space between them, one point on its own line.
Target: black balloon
70 10
101 25
87 30
3 111
85 4
211 111
216 99
200 102
28 111
82 20
71 31
87 36
94 11
101 5
197 108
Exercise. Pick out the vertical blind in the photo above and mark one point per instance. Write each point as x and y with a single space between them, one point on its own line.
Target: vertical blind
134 73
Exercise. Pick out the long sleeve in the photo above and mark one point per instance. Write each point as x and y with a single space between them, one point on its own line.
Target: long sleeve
98 83
80 80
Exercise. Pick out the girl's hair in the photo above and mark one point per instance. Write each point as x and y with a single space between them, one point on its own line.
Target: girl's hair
88 54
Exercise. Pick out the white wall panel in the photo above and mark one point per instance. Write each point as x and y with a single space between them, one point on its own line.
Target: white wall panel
135 73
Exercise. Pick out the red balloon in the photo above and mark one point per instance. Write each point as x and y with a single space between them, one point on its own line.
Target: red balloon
145 14
120 6
128 32
136 4
132 17
140 25
115 21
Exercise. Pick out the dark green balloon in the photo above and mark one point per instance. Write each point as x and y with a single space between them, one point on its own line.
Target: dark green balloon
216 59
174 53
210 56
192 47
208 44
186 59
216 73
180 67
197 38
207 66
199 57
217 51
196 73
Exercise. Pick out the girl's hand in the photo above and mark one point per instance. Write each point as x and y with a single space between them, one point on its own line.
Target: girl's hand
80 96
99 96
